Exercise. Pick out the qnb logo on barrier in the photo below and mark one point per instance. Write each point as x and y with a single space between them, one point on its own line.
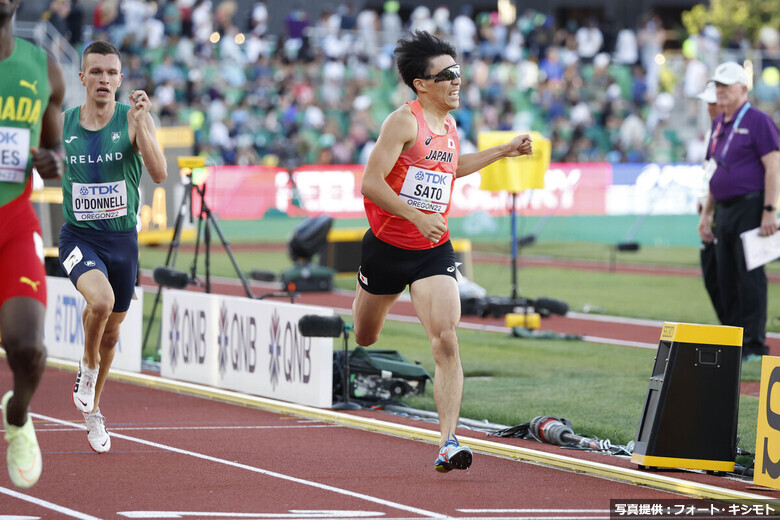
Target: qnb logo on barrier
68 327
237 340
296 355
187 336
289 351
174 336
275 351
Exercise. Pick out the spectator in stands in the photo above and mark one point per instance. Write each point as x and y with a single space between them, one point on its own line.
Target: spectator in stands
258 20
57 15
75 23
590 39
651 38
626 49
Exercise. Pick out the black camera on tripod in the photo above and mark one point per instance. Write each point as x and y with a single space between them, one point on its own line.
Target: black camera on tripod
168 275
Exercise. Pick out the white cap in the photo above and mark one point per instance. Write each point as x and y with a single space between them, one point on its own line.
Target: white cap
729 73
708 95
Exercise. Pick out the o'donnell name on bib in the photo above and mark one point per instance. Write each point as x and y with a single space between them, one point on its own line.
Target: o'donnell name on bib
99 201
427 190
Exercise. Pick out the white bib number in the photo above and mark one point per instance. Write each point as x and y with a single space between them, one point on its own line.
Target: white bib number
100 201
427 190
14 153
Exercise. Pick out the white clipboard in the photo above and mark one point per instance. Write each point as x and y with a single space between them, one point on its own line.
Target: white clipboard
759 250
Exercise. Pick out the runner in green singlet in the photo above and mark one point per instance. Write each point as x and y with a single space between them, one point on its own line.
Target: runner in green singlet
106 146
31 93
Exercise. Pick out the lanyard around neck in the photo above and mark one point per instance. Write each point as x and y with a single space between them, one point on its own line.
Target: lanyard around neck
734 129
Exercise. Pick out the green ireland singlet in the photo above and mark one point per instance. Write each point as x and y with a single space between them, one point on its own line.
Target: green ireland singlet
24 96
100 186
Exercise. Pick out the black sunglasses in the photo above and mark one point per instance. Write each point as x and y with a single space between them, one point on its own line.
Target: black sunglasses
448 74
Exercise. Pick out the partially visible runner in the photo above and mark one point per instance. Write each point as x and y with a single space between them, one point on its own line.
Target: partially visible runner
407 184
106 145
32 88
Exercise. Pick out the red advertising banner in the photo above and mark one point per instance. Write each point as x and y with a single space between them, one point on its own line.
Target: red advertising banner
241 192
248 192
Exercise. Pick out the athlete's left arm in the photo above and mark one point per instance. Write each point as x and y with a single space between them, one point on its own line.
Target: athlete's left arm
472 162
47 158
144 136
771 186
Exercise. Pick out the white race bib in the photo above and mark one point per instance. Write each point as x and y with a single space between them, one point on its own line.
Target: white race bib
427 190
14 153
99 201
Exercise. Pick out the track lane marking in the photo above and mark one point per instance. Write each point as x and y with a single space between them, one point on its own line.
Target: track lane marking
281 476
527 511
302 514
43 428
48 505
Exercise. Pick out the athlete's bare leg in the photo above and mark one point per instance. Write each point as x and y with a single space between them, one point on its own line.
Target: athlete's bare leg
437 303
368 314
107 350
94 286
21 324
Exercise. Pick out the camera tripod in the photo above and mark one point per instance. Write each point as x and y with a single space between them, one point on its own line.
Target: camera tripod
167 275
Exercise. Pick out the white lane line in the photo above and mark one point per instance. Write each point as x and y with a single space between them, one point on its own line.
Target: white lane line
47 505
293 514
324 487
622 343
607 318
43 428
527 511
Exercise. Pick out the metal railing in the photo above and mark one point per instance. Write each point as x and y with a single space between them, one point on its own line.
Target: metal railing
44 35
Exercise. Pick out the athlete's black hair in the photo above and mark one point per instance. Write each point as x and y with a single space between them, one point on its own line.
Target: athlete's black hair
414 54
100 47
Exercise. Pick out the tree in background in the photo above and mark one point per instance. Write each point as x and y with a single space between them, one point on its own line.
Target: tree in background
731 16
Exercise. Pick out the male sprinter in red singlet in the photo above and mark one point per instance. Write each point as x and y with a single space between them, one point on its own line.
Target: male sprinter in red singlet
407 185
31 93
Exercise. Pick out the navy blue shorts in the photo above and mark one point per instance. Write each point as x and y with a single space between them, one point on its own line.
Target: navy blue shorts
386 269
115 253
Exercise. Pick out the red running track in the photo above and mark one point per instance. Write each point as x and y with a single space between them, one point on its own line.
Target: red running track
200 457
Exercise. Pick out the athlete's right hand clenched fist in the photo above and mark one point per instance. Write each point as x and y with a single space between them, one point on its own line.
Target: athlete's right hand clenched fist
431 225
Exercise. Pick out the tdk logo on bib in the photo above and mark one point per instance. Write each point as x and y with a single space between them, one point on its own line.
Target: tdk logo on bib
100 189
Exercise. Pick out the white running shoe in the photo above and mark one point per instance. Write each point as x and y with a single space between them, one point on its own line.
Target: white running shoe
96 432
24 454
84 389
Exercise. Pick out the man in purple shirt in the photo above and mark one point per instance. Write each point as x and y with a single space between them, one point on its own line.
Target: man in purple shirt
745 153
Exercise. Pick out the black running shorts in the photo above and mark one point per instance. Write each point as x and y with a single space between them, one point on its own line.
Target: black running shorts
386 269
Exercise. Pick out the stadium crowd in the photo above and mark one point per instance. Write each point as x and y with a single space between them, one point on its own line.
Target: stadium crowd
317 93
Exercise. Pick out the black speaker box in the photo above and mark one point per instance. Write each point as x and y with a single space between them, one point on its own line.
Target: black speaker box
689 419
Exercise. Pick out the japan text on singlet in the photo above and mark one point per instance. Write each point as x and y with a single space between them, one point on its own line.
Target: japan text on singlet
423 178
24 96
100 187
